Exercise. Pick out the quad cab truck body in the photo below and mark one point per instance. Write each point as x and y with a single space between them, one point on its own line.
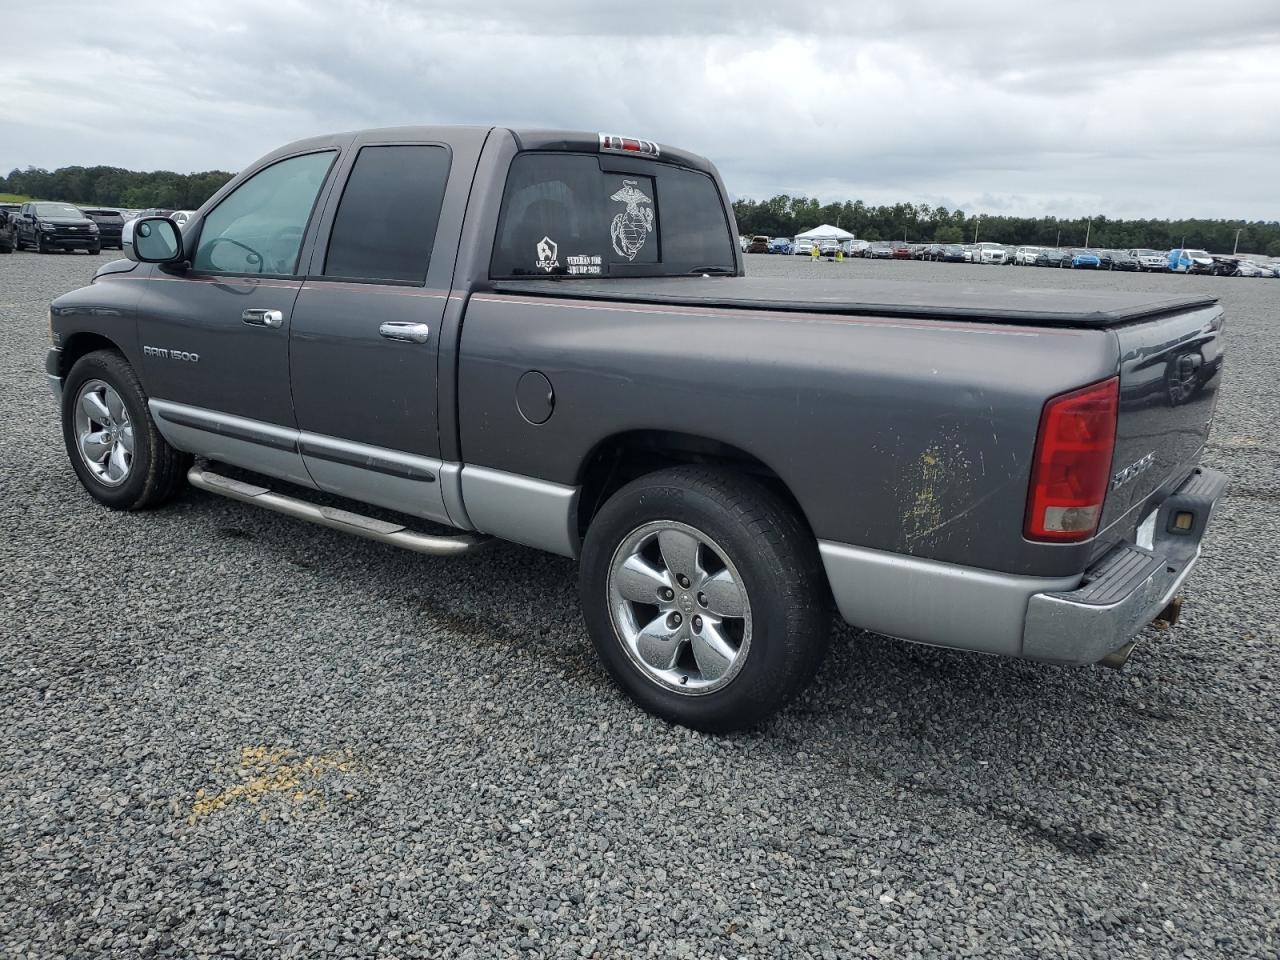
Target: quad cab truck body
547 337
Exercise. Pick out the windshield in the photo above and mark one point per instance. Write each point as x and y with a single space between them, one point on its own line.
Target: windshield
58 210
572 214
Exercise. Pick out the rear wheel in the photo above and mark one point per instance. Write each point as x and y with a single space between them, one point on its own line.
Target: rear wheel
114 446
705 597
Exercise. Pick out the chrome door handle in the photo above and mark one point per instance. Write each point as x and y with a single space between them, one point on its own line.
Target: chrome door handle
264 318
408 332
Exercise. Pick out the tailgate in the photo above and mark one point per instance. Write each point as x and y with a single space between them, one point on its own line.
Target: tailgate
1170 369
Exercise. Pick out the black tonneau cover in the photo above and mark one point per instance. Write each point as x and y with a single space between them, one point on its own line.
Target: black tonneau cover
940 300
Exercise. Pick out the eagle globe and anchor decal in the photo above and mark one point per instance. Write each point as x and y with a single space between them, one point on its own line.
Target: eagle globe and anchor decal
632 226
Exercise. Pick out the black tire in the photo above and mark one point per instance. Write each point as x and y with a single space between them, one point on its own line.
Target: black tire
41 246
157 472
781 573
94 251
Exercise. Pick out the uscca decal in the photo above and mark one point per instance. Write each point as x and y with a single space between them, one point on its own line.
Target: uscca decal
547 254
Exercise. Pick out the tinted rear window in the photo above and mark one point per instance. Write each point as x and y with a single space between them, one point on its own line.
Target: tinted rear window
386 222
564 215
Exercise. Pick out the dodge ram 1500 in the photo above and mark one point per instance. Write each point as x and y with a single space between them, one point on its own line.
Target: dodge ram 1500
548 337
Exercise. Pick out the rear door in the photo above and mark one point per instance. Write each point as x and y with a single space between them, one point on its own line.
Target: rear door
365 332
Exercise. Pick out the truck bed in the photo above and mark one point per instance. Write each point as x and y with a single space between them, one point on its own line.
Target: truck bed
980 302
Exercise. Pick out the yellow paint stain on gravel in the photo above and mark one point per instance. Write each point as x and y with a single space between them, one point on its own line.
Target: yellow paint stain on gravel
266 772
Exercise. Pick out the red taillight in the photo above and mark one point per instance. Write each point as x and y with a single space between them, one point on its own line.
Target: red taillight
1073 463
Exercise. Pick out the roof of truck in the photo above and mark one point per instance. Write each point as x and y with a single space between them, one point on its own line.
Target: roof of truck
527 138
894 298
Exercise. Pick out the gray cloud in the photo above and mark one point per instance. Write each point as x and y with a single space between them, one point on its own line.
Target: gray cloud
1121 109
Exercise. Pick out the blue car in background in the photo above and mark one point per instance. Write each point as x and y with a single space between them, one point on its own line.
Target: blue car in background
1190 261
780 245
1086 259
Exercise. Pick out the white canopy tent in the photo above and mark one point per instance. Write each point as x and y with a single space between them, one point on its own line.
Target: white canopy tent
825 232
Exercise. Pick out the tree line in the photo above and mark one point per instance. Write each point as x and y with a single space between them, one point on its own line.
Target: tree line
785 216
781 216
116 187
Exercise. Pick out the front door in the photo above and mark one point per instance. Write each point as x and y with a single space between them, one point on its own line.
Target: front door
214 337
365 333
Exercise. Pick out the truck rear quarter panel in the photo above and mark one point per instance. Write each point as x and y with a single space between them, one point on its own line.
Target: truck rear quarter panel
913 436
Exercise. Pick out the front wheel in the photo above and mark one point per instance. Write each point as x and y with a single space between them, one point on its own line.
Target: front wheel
114 446
705 597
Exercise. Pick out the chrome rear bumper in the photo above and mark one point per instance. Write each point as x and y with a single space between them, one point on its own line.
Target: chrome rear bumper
1079 619
1126 589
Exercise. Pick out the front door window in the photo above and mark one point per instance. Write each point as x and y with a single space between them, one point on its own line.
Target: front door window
258 228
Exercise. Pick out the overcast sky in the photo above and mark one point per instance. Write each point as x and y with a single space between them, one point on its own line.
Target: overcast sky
1120 108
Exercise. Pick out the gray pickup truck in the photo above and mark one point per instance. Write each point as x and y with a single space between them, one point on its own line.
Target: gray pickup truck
547 337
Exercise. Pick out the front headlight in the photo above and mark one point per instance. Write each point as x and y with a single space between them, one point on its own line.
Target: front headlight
93 228
48 226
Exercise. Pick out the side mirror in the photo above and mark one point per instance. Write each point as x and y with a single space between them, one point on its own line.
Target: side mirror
152 240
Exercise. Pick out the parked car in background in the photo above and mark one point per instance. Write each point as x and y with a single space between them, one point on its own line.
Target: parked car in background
801 248
944 253
743 243
1104 258
989 253
1250 268
1151 261
180 217
1052 257
49 226
880 250
855 248
1190 261
8 228
1025 256
110 225
780 245
758 244
901 250
1123 260
1083 260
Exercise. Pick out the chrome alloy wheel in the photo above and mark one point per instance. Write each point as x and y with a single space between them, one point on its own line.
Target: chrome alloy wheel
104 434
679 607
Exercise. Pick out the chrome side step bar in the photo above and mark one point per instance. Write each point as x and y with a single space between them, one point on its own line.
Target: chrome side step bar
381 530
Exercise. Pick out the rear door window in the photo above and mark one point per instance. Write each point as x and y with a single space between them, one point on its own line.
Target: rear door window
386 222
565 215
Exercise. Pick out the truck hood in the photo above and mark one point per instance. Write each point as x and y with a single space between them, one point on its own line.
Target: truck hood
885 298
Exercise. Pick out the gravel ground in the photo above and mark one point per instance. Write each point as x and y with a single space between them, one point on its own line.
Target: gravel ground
232 734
